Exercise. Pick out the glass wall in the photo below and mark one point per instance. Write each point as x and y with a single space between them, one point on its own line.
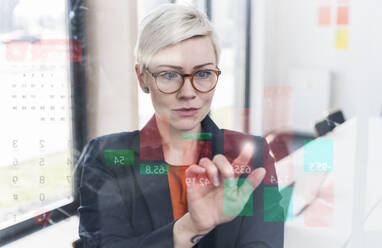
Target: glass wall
229 19
35 95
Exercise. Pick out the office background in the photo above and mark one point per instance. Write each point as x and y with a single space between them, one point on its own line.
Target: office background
286 66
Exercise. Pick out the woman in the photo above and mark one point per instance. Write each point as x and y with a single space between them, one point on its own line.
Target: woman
175 183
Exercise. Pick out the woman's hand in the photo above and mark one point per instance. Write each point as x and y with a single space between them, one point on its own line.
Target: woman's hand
212 193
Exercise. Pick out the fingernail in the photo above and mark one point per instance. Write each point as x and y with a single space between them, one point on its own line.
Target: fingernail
215 181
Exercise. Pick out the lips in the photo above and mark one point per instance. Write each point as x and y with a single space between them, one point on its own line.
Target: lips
186 111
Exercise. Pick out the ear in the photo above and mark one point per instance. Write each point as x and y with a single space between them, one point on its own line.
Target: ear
141 78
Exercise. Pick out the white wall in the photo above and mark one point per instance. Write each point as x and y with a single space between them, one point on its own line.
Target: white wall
111 82
295 40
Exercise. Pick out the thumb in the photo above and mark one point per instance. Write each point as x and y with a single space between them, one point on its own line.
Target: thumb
252 181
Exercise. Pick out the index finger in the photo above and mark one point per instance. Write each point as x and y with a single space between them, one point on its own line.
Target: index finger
245 155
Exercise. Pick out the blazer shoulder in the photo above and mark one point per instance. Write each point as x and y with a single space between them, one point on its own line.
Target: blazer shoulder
116 137
236 136
96 147
115 140
234 142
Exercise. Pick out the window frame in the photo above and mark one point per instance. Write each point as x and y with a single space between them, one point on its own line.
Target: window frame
75 14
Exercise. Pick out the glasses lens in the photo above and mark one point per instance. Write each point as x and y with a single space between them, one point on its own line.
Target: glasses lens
205 80
169 81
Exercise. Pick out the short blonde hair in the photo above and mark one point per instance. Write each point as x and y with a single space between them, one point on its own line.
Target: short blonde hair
169 24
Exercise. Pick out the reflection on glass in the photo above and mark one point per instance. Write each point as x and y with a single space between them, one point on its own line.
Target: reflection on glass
35 166
227 108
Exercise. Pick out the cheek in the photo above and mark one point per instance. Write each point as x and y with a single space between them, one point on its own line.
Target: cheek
206 103
207 99
155 99
160 102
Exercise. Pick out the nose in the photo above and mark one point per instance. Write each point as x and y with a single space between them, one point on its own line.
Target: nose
187 91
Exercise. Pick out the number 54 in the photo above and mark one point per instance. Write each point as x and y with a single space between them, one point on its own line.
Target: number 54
119 160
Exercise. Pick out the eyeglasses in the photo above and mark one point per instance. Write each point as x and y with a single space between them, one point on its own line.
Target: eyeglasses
169 82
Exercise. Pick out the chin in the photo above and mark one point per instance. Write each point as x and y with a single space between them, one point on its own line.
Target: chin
185 125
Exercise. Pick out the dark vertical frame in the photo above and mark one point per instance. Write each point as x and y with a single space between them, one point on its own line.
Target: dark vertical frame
76 13
209 9
247 88
77 42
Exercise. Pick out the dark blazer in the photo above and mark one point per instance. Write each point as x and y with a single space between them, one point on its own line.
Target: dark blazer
121 207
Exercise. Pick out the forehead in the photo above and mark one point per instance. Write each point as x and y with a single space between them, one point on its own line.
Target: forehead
186 54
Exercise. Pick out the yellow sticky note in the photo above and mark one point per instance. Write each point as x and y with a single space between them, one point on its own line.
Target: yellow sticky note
342 39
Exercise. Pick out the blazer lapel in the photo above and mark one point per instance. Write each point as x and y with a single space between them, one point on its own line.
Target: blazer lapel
217 141
154 188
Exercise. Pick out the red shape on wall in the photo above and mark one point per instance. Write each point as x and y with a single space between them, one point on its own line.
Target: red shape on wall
343 15
324 16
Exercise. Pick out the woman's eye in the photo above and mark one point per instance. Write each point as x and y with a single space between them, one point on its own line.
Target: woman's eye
169 75
203 74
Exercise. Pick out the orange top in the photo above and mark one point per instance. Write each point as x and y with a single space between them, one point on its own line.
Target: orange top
178 193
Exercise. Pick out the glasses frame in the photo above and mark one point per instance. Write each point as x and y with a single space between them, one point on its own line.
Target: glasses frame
217 71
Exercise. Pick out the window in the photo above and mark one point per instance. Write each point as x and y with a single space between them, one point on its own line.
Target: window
229 20
36 105
145 108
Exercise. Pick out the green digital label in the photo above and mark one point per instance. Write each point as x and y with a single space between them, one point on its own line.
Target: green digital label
119 157
278 205
235 201
318 155
197 136
154 169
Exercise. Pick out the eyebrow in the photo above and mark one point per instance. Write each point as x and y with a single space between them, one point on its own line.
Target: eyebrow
181 68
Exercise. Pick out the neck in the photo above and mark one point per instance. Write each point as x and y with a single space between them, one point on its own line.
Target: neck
176 150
